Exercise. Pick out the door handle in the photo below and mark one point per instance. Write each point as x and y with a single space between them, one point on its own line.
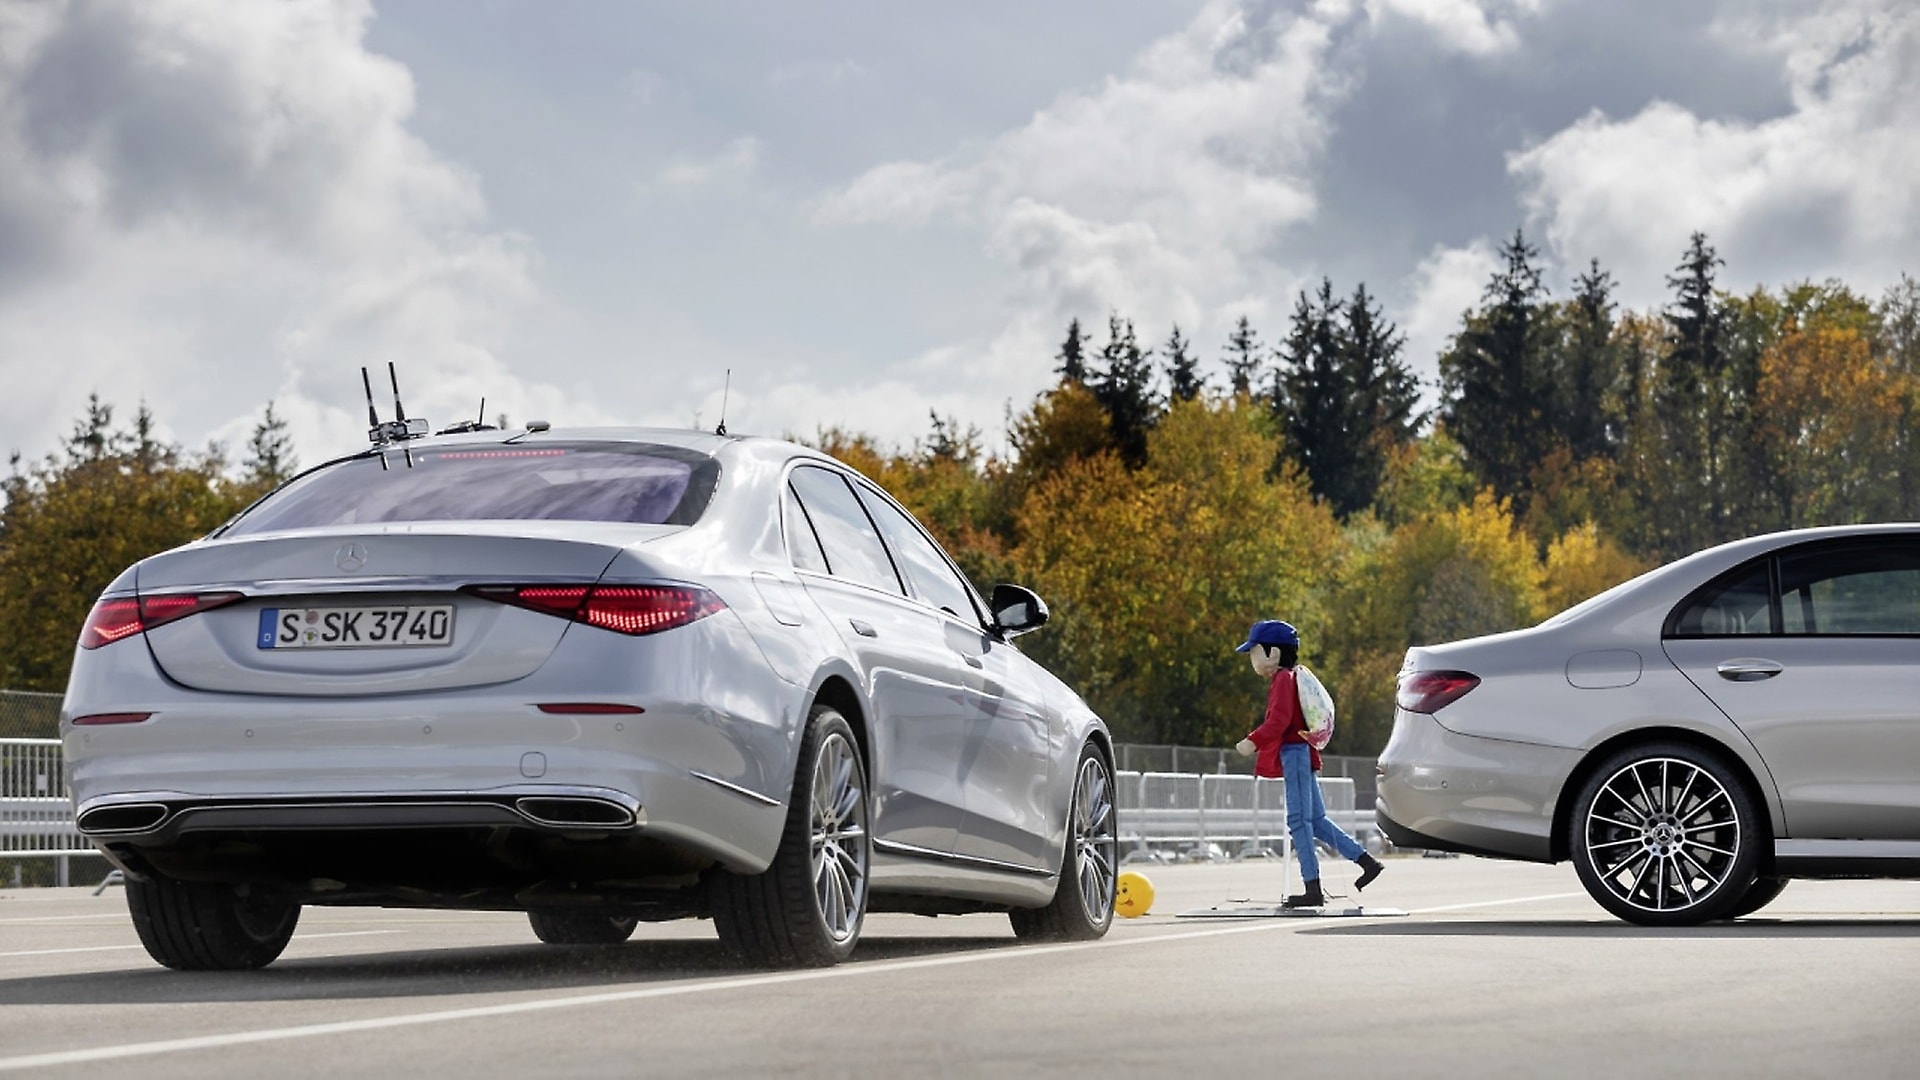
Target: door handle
1747 669
864 629
973 661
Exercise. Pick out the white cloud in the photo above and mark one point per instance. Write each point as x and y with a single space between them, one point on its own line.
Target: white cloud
1161 192
1447 283
205 206
732 165
1830 187
1462 25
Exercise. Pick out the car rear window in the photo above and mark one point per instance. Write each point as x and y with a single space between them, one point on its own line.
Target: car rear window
641 483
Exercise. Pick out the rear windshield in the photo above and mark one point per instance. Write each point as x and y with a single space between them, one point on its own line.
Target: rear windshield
642 483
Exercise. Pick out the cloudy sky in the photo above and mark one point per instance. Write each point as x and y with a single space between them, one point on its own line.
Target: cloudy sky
870 209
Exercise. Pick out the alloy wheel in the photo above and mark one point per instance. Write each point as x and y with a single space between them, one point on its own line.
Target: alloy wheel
839 838
1095 845
1663 835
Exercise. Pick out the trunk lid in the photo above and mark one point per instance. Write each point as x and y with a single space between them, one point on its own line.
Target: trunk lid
337 612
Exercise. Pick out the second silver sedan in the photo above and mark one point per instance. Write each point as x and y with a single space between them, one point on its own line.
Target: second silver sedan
1692 739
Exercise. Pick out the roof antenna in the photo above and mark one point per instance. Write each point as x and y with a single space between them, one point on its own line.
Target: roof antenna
375 434
400 413
724 390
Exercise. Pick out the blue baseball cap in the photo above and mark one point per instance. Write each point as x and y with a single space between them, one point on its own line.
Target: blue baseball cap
1270 632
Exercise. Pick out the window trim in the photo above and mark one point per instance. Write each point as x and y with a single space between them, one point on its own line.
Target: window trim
1776 615
900 593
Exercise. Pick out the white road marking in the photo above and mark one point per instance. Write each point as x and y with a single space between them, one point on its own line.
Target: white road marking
1499 903
297 938
573 1001
65 918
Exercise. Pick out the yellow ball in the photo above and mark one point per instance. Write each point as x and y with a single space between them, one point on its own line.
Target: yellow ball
1132 895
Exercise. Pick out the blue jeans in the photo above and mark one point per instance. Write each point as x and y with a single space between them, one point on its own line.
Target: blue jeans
1307 815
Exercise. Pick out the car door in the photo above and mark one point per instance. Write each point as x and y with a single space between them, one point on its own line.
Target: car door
910 676
1002 758
1814 653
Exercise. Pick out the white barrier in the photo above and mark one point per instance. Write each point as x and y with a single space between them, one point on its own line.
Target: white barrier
1185 815
36 818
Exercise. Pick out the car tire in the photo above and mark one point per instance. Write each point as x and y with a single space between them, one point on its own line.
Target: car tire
581 927
1082 907
807 908
1666 834
195 926
1758 895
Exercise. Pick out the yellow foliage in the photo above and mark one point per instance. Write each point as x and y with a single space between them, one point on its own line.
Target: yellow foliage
1583 563
1155 574
1827 417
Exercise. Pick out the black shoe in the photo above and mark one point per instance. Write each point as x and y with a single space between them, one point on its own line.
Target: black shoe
1310 898
1369 869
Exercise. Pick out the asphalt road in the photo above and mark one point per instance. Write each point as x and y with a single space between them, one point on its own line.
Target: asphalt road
1500 970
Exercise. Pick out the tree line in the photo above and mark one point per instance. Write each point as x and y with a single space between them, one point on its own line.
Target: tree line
1161 506
1162 501
111 495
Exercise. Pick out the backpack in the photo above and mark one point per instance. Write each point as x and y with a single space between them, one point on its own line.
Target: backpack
1316 705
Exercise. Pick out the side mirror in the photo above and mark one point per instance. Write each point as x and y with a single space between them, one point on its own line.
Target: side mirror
1017 610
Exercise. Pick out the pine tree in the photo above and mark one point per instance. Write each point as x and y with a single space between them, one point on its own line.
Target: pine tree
1124 388
1243 357
1590 369
1312 400
270 458
1343 396
1389 389
1185 383
1496 379
1072 355
1693 407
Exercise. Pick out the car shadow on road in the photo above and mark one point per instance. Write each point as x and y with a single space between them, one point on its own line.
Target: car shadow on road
497 969
1606 930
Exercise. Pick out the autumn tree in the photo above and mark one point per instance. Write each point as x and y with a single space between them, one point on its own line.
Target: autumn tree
75 520
1153 573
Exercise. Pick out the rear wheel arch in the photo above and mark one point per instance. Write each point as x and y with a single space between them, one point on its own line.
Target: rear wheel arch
1561 841
840 694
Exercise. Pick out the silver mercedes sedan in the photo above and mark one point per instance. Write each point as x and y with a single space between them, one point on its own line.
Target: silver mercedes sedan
599 676
1691 739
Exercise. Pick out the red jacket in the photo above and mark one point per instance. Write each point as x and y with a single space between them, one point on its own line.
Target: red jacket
1285 723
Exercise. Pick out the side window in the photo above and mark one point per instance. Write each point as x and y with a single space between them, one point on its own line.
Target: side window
1856 589
928 574
1732 605
853 550
803 546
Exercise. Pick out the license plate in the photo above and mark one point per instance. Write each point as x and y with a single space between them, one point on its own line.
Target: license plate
390 627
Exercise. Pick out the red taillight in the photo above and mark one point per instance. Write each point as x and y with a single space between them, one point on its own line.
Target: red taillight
1431 691
625 609
112 620
648 609
111 718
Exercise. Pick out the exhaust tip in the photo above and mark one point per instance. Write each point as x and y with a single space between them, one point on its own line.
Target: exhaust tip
573 812
130 818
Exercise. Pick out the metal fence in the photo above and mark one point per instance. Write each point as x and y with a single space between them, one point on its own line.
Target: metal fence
1145 758
1186 816
36 817
25 714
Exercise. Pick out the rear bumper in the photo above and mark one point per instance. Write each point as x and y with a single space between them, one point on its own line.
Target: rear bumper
1445 791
